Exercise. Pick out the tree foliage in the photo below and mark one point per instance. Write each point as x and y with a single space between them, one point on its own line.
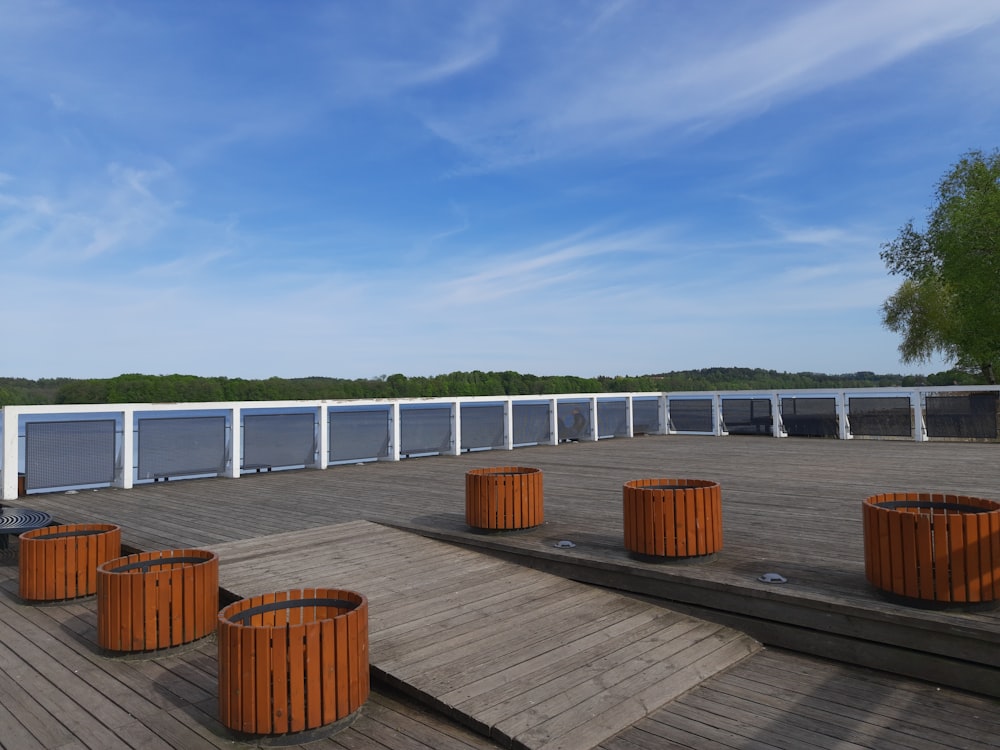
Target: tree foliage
153 389
949 300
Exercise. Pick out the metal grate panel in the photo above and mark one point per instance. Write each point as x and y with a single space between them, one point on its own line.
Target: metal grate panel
747 416
646 416
810 417
691 414
359 435
482 426
531 424
424 430
69 453
962 415
279 440
181 446
612 418
574 420
881 416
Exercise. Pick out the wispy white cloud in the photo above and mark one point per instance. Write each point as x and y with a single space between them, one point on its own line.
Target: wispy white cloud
557 263
641 75
404 74
119 211
408 46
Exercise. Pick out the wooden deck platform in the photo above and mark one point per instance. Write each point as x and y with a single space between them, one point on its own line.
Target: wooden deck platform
532 660
790 506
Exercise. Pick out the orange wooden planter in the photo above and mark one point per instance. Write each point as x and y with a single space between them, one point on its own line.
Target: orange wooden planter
942 548
672 517
292 661
156 600
60 562
504 498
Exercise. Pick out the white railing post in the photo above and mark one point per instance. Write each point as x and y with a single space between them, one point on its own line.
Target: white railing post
843 419
629 417
777 423
593 418
323 438
554 423
663 405
718 424
919 425
394 436
10 454
124 466
508 424
235 441
456 428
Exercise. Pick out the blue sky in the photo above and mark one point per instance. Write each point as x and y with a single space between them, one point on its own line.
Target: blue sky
351 189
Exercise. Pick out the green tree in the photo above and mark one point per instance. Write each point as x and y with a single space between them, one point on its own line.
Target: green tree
949 300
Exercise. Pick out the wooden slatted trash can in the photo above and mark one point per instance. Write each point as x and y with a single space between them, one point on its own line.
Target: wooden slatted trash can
157 600
672 518
504 498
292 662
933 547
60 562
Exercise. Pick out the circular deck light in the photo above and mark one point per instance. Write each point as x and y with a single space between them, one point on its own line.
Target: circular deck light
772 578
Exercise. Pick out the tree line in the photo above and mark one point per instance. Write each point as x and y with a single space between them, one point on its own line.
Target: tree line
137 388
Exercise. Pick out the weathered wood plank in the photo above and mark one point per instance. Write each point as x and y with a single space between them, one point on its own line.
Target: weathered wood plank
486 682
614 697
778 699
413 724
865 697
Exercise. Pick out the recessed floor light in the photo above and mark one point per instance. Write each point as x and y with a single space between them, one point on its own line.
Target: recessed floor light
772 578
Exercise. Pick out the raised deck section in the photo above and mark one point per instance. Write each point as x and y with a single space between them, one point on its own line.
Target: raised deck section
530 659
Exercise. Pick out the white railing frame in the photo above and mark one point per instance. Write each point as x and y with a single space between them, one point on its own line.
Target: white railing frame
127 413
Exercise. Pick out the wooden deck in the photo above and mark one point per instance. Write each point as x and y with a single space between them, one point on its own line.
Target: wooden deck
790 506
59 691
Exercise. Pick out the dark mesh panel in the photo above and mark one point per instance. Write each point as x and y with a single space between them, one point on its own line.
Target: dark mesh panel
612 418
747 416
68 454
531 423
646 416
690 414
278 440
888 416
181 446
482 426
424 430
962 415
810 417
574 420
359 435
